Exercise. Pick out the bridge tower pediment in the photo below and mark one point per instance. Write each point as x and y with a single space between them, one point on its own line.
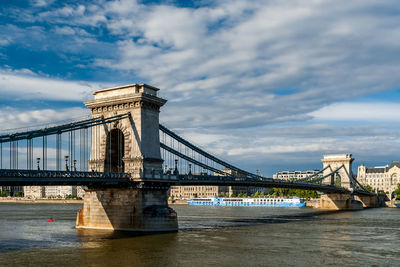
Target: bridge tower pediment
140 131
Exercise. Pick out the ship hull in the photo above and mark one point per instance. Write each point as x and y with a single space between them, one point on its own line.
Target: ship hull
246 202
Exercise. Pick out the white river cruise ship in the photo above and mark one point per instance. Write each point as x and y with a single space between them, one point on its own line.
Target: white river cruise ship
247 202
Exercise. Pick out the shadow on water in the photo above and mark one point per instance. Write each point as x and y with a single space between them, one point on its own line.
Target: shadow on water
95 234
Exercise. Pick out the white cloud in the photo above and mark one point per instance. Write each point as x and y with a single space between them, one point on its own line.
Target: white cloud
66 30
16 120
324 50
41 3
354 111
220 53
5 41
24 84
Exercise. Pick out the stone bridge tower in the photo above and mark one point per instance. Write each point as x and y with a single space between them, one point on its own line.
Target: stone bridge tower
335 161
129 145
339 201
132 144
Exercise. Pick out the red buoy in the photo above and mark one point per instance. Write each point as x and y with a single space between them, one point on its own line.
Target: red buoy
50 220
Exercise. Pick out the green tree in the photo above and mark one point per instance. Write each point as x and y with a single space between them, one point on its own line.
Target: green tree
5 193
271 192
397 192
293 192
338 181
19 194
369 188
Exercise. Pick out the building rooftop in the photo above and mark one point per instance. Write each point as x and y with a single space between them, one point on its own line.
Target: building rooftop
383 168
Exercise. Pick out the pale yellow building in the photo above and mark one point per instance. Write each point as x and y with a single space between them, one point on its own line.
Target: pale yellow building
384 178
52 191
289 175
188 192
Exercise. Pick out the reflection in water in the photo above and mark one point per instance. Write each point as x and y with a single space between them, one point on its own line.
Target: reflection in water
124 248
208 236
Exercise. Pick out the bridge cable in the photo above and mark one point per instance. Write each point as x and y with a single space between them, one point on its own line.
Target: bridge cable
44 153
58 150
10 155
27 154
176 153
205 154
81 149
61 128
87 148
323 177
315 174
362 187
16 156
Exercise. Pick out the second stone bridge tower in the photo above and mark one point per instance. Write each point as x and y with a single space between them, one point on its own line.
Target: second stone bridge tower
335 161
132 144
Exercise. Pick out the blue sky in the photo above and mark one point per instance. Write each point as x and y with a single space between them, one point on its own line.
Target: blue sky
269 85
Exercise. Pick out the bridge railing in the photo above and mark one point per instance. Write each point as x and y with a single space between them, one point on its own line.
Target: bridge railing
48 174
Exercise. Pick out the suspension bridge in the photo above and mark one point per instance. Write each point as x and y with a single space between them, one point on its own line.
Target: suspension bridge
127 160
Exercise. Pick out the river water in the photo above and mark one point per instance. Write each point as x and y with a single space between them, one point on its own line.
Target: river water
208 236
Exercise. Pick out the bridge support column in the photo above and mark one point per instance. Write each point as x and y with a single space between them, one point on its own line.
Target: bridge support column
127 209
368 201
339 202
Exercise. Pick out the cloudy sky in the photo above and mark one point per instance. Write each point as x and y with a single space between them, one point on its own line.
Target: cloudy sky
269 85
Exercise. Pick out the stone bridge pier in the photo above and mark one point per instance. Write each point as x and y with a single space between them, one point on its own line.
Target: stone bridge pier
342 201
129 145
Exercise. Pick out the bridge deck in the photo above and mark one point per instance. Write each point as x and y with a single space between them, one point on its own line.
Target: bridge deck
42 178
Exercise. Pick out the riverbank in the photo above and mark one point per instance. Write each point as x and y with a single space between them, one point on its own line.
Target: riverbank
177 202
39 201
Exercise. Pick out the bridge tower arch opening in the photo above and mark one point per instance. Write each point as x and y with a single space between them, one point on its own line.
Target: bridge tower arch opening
115 151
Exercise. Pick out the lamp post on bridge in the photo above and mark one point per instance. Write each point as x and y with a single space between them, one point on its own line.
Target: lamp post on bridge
66 163
38 163
176 168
